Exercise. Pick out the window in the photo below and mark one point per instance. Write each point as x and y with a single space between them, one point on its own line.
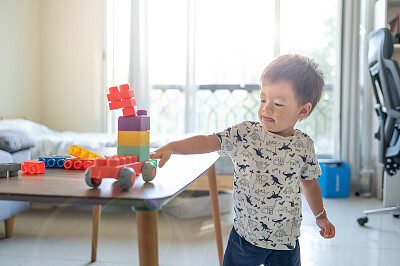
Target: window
204 59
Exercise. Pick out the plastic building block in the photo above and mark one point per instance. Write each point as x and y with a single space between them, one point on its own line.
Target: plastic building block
82 153
123 168
142 152
78 164
33 167
10 168
53 162
139 122
133 138
123 98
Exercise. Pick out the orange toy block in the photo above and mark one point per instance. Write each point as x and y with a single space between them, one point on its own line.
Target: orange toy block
82 153
122 97
78 164
33 167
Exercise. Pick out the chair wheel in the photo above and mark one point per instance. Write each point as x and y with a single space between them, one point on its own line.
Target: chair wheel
362 220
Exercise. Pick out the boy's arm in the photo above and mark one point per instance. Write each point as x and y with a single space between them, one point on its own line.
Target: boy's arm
312 192
192 145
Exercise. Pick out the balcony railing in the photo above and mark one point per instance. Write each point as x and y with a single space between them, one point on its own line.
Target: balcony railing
220 106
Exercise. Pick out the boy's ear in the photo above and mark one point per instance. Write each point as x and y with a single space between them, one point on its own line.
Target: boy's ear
305 110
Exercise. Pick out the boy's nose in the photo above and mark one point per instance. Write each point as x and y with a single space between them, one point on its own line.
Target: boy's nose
267 108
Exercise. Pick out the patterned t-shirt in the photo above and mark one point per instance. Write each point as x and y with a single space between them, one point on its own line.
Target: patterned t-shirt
268 170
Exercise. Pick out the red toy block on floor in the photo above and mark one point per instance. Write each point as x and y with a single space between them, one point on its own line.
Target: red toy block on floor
78 164
123 98
33 167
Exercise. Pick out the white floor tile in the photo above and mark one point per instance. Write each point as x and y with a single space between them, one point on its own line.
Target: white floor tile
63 237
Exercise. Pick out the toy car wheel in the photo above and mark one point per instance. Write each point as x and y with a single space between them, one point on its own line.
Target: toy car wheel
148 171
91 182
126 178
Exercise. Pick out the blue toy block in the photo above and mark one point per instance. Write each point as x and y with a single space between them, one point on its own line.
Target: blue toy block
335 179
139 122
54 162
10 168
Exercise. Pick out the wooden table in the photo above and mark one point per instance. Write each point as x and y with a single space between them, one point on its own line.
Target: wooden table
68 186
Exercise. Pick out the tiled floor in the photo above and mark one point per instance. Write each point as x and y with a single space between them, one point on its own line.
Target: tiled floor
63 237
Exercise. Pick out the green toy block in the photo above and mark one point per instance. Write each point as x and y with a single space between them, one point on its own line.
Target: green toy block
142 152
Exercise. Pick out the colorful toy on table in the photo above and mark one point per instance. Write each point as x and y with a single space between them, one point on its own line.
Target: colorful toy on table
54 161
82 153
123 168
10 168
133 151
78 163
33 167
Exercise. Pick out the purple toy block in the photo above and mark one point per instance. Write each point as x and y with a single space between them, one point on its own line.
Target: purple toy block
139 122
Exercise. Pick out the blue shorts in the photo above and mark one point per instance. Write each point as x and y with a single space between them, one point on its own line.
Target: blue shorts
240 252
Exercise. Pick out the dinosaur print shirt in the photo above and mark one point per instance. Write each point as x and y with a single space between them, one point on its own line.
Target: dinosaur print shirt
268 170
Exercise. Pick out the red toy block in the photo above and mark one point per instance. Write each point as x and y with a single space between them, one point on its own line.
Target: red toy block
123 98
33 167
129 111
78 164
124 103
116 96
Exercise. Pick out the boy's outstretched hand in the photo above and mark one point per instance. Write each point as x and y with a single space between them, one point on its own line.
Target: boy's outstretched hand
163 155
327 228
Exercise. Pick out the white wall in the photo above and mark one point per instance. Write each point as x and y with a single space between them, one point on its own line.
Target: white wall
20 92
51 66
71 55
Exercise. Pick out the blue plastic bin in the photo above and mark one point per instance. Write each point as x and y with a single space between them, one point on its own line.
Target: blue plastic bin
335 179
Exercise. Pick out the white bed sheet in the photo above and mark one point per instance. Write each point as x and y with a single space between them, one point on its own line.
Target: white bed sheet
51 142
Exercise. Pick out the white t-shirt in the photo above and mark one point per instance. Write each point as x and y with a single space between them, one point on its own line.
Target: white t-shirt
268 170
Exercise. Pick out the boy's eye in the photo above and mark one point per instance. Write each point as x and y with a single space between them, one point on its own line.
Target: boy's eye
263 101
278 104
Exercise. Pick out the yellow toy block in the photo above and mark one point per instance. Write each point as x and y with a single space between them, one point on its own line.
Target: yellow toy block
81 152
134 138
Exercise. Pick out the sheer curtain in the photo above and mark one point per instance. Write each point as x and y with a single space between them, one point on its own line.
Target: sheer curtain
195 65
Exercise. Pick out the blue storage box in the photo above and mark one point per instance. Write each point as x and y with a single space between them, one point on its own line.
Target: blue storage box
335 179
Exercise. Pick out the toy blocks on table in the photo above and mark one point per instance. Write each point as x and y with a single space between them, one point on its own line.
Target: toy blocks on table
139 122
33 167
82 153
142 152
53 162
122 97
78 164
133 138
10 168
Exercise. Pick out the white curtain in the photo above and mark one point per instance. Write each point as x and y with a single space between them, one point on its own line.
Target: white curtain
138 65
350 87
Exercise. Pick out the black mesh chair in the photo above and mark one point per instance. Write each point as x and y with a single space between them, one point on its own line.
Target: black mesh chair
385 74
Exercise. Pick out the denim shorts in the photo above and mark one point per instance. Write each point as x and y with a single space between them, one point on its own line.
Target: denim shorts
240 252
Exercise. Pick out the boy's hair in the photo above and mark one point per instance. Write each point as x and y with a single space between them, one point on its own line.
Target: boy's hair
305 75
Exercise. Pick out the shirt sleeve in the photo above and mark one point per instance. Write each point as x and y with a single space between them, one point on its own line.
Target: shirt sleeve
231 139
311 169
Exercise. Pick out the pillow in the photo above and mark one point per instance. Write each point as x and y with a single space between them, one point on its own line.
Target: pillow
13 140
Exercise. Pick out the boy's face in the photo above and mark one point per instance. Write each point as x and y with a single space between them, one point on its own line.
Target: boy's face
279 108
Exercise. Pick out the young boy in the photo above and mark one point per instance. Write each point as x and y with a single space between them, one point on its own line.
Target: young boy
271 161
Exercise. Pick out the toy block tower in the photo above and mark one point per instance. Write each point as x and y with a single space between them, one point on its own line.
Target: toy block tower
133 126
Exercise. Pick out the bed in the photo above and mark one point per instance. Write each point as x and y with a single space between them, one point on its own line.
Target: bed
50 142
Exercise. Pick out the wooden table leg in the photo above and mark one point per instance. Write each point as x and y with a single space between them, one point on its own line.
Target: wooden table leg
147 235
212 184
9 225
95 230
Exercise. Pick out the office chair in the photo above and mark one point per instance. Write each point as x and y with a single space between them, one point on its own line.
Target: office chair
385 75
